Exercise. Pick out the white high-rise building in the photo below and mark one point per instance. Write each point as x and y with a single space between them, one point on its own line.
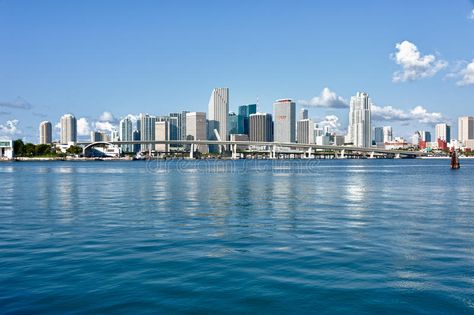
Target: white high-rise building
196 128
285 120
465 129
147 130
305 132
126 133
46 132
443 132
218 111
387 134
360 128
68 129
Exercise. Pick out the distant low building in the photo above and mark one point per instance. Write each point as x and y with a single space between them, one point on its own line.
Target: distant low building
6 149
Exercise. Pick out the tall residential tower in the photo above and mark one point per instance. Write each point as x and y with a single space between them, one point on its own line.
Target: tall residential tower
360 129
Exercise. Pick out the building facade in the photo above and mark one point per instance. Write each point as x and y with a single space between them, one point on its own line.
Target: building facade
261 127
162 132
305 131
465 129
147 129
196 128
443 132
243 118
360 127
46 132
218 110
126 133
285 120
68 129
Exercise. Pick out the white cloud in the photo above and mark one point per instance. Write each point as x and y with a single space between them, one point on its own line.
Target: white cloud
327 98
83 127
19 103
10 128
104 126
107 116
418 113
415 66
471 17
467 75
333 122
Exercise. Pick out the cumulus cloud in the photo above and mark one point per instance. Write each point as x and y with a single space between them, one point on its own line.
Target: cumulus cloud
107 116
10 128
471 16
418 113
332 121
467 75
104 126
415 65
83 127
19 103
327 98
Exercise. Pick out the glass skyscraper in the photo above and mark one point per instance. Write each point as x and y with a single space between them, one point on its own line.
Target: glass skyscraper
243 126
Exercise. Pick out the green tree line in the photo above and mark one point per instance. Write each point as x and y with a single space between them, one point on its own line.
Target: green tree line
22 149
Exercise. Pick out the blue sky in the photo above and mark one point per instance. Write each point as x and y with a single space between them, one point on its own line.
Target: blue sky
127 57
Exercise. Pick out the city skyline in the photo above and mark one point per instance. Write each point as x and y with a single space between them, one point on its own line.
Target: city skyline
416 79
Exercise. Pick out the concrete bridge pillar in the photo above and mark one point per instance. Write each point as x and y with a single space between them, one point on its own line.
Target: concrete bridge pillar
234 151
343 154
273 154
397 156
191 151
372 155
310 153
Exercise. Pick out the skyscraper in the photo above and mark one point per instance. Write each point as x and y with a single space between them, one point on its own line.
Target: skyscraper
243 117
183 124
285 120
162 132
126 133
218 110
232 123
68 129
466 129
261 127
46 132
387 134
443 132
147 129
425 136
303 114
175 126
196 128
378 135
360 129
305 131
136 137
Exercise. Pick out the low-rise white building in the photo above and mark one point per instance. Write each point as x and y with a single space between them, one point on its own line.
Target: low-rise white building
6 149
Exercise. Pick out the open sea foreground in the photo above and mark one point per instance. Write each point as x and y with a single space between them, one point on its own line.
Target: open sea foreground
237 237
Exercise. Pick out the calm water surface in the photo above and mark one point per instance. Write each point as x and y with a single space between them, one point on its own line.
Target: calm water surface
347 236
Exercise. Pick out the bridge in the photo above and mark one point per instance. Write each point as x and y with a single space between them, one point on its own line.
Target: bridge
307 149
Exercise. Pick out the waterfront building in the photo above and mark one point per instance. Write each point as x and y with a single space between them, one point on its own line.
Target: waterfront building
136 137
323 140
285 120
183 124
339 140
6 149
99 136
240 137
46 132
147 129
378 136
243 118
218 110
261 127
114 135
425 136
176 126
387 134
465 129
303 114
305 131
126 133
68 129
196 128
359 130
443 132
162 132
232 123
